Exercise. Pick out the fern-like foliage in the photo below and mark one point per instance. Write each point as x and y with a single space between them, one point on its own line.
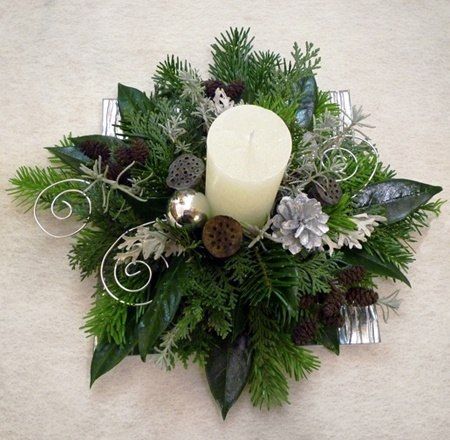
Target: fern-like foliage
304 62
316 271
209 298
148 126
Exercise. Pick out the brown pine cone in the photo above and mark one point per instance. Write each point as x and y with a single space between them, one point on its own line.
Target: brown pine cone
336 320
211 85
361 296
139 151
351 276
304 332
306 301
332 304
235 90
114 170
94 149
123 156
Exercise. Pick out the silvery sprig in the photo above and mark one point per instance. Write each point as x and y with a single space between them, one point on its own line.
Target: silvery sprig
148 241
365 225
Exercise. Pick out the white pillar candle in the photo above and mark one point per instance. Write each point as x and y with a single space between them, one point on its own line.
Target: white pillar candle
248 149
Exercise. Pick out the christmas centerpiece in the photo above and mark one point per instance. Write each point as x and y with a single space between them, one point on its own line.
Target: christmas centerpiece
230 221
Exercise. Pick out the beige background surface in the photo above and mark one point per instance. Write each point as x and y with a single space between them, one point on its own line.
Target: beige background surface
58 59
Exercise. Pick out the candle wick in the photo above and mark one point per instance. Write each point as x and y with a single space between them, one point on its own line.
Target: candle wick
250 139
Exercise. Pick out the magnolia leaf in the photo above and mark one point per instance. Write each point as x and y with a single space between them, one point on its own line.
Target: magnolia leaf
108 354
70 156
162 309
329 338
373 264
110 141
130 101
305 111
227 371
397 197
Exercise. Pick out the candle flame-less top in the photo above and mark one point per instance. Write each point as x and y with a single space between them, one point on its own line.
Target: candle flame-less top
249 143
248 148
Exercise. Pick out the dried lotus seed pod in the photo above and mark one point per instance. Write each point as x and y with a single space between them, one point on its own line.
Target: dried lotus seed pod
326 191
185 172
222 236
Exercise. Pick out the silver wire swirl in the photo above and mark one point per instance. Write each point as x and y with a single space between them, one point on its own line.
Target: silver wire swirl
354 158
65 203
127 272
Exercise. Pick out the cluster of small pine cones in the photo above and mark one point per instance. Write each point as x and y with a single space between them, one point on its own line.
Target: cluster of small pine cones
234 90
118 159
345 289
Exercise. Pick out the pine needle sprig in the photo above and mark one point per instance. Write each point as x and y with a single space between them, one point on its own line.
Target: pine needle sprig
167 77
274 357
107 318
230 55
273 280
393 243
88 250
30 181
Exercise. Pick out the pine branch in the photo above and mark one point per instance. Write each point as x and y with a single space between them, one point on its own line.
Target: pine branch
274 357
29 182
230 55
273 280
108 318
167 77
324 105
88 250
392 243
262 71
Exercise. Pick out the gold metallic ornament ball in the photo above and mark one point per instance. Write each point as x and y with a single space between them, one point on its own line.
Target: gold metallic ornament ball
188 208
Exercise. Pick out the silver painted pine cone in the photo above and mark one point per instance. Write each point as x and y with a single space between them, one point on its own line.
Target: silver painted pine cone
299 223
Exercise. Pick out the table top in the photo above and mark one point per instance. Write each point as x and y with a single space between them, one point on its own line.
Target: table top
58 60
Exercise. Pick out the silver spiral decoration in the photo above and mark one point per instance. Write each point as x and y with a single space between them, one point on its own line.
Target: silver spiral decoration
349 155
57 199
131 270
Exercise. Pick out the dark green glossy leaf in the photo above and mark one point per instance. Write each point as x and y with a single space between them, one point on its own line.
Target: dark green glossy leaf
227 371
240 319
397 197
307 105
162 309
373 264
110 141
107 355
70 156
329 338
131 100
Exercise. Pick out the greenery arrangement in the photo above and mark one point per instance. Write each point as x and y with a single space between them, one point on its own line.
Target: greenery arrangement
337 226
